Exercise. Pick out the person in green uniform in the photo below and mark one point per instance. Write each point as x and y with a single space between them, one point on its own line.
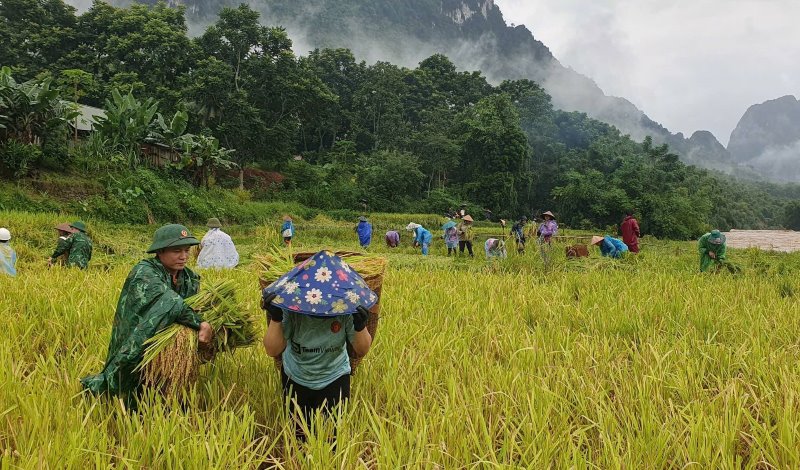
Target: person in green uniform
712 250
77 244
151 299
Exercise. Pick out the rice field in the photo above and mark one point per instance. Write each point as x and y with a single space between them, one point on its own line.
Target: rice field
640 363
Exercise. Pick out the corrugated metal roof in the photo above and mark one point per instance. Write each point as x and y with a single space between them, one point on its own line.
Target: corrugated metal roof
86 119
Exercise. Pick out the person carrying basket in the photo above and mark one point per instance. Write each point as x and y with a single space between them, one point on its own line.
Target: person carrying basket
317 309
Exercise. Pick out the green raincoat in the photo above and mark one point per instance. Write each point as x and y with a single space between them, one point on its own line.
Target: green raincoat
705 247
79 247
149 302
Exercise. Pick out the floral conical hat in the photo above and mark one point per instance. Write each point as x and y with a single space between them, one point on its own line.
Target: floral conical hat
323 285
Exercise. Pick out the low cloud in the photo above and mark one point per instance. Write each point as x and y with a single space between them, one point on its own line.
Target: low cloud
689 64
780 163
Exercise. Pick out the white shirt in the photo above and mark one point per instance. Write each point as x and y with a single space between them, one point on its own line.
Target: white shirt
217 251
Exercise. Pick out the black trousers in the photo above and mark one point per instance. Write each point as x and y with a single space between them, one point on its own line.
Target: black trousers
310 400
468 245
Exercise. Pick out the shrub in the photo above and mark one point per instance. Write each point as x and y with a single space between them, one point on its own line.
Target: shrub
18 158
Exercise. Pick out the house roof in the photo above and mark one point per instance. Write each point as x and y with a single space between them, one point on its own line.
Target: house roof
86 119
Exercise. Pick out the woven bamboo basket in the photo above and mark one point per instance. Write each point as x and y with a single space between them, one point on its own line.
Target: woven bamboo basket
374 281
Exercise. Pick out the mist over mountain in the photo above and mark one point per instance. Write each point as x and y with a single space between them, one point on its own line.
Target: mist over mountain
474 34
767 139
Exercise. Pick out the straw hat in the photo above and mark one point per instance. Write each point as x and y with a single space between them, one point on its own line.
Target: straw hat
286 218
468 218
596 240
548 213
64 228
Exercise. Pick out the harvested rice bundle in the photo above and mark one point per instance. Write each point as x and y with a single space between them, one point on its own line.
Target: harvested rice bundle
274 264
172 359
171 362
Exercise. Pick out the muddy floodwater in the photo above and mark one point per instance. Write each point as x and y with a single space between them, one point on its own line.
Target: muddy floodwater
775 240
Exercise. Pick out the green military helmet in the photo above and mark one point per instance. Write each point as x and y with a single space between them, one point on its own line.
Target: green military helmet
717 237
170 236
78 225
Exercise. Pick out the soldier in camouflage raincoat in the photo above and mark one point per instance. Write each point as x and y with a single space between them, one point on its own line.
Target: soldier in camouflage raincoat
151 299
78 247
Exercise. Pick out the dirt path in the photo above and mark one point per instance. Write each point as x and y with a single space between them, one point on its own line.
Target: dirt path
775 240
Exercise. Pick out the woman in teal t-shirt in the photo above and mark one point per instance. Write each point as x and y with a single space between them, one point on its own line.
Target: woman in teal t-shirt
316 367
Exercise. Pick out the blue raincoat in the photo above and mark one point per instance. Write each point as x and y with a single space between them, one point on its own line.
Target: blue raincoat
364 231
612 247
424 238
287 225
8 259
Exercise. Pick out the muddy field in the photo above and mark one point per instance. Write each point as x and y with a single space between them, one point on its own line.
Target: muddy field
775 240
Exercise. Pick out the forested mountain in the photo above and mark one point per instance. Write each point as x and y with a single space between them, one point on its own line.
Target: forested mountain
334 128
475 36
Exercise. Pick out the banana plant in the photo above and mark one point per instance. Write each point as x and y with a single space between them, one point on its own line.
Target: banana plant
169 132
127 123
29 110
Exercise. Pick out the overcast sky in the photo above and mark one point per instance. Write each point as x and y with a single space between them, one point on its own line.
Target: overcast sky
688 64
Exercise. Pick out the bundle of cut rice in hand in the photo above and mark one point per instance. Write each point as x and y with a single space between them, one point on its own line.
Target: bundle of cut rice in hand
172 359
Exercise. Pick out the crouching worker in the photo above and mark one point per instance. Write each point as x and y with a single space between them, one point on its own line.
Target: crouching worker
495 248
151 300
77 246
610 246
317 318
422 237
711 247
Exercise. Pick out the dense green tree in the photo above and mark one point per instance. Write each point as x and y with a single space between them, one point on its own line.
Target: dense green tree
340 130
35 35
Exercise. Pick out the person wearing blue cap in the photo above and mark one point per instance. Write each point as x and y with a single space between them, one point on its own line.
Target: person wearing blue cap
317 309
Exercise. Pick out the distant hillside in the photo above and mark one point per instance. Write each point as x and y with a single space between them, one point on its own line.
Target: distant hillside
767 139
474 34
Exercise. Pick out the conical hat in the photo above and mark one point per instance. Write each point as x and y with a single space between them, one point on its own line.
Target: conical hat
64 228
321 286
548 213
468 218
596 239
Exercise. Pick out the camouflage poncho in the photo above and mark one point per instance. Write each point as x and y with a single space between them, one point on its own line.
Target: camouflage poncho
79 249
148 303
